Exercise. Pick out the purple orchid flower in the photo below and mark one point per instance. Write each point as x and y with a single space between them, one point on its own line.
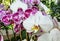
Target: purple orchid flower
6 20
31 1
28 12
31 11
5 17
34 9
21 13
2 13
16 28
17 18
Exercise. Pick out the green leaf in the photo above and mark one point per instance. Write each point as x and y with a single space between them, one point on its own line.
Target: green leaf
23 33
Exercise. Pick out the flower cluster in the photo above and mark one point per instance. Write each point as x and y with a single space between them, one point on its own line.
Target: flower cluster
31 18
16 18
17 14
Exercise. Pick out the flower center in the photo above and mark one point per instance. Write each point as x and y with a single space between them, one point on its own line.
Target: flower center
35 28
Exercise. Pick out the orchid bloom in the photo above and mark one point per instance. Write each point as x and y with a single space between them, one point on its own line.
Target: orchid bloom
5 17
31 11
55 22
26 40
18 4
31 1
6 20
44 22
21 13
34 9
28 23
54 35
17 18
44 7
16 28
28 12
2 13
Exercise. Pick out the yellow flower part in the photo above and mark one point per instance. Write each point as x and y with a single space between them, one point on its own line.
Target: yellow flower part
35 28
6 3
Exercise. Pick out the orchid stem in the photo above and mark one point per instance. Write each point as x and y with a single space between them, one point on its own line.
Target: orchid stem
20 35
7 34
14 34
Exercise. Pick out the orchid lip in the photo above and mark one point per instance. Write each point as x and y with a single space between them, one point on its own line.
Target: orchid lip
35 28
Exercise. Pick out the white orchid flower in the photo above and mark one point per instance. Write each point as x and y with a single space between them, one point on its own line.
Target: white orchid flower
44 7
28 23
26 40
44 37
46 23
55 22
31 23
54 35
18 4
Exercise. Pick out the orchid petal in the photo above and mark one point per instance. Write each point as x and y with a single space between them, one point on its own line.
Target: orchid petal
46 23
55 35
44 37
18 4
28 23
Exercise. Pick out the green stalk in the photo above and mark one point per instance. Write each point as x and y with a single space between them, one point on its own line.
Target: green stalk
7 34
0 1
20 35
14 34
